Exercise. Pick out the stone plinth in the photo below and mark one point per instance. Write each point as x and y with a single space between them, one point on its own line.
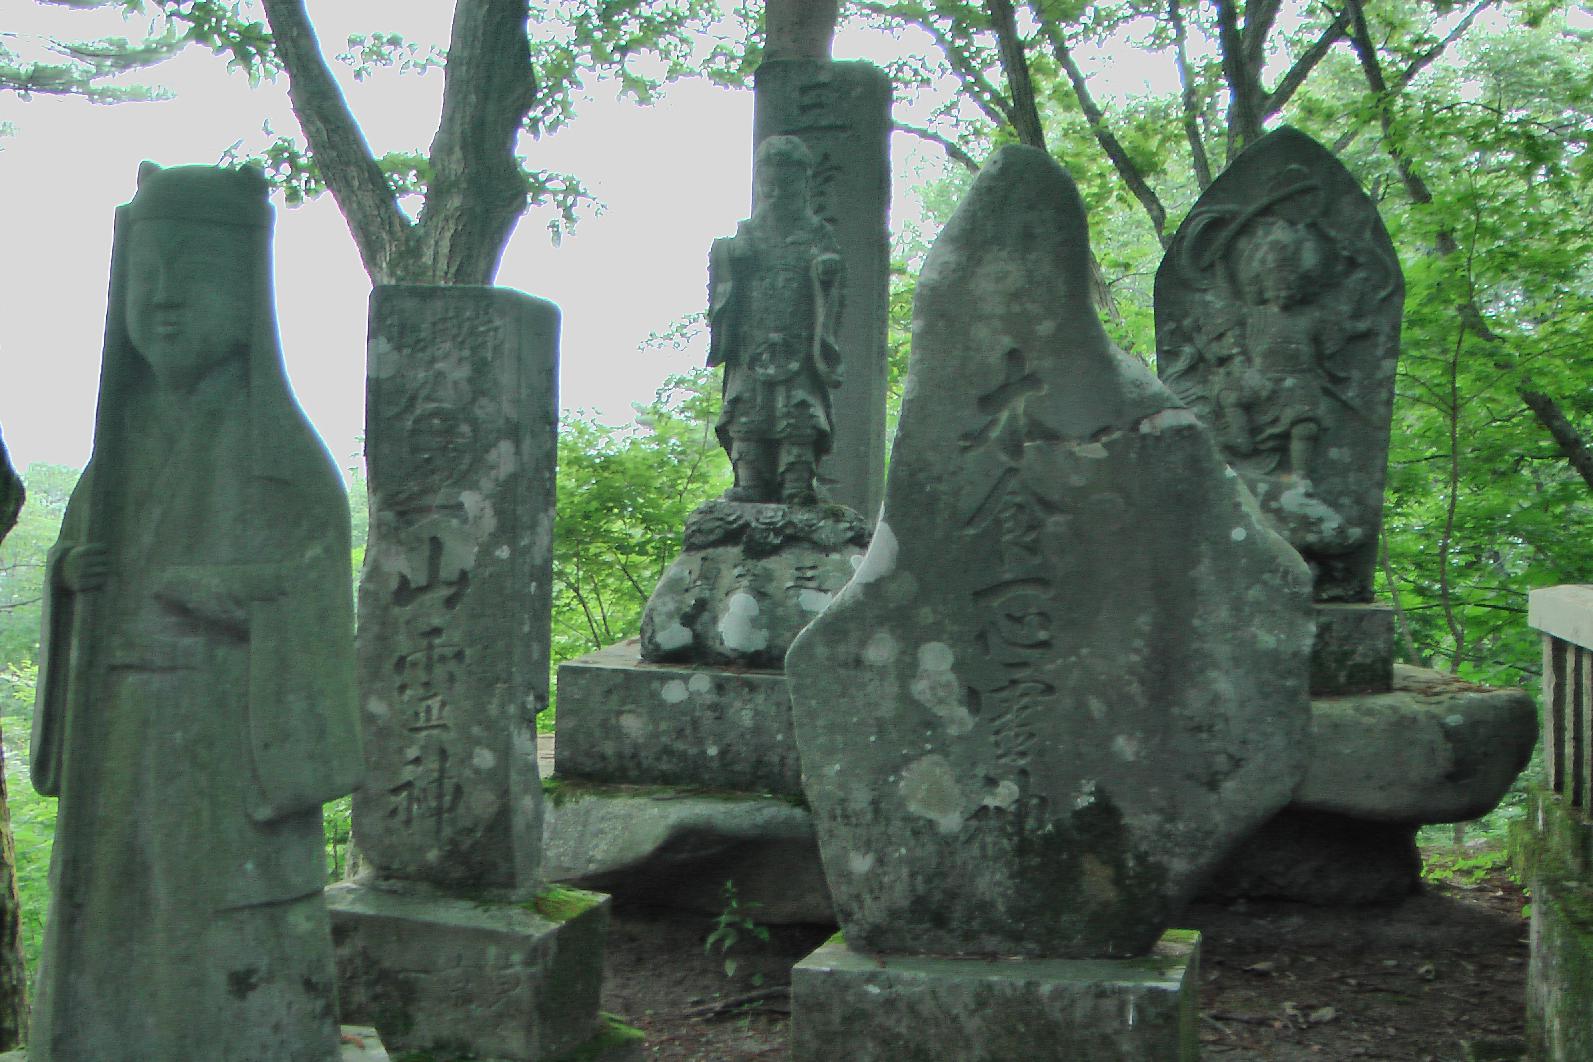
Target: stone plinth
841 111
752 575
629 722
675 847
862 1008
1433 749
462 977
1354 649
461 406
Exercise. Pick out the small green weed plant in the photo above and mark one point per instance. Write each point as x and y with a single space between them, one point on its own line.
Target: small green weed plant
733 923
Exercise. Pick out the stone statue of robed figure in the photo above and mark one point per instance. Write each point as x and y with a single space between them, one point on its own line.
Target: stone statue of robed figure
196 704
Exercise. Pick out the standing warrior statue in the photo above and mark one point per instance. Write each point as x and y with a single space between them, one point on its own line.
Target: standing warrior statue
774 303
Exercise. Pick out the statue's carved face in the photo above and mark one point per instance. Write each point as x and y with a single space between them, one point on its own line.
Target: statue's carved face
782 185
188 295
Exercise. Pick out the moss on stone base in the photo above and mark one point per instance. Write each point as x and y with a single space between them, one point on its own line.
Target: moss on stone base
614 1037
558 903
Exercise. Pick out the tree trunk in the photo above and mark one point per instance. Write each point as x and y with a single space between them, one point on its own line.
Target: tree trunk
13 972
799 29
476 193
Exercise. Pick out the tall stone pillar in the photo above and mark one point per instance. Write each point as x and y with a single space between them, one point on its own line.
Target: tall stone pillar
448 942
842 113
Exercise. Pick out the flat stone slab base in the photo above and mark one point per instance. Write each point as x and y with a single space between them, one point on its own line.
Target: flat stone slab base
360 1044
898 1008
675 847
633 723
467 978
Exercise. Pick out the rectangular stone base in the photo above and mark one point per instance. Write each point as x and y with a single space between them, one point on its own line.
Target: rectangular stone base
1354 649
632 723
470 979
861 1008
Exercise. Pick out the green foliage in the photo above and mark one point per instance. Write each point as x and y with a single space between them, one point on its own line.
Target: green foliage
731 924
624 494
54 67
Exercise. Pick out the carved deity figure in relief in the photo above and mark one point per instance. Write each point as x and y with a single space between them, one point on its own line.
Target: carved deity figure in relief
775 290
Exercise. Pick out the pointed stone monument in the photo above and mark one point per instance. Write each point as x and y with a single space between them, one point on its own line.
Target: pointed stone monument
1067 678
450 943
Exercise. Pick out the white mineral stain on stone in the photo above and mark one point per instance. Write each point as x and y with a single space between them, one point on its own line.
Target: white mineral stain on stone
813 600
483 760
1338 453
880 560
1230 473
673 637
502 552
673 691
700 683
880 650
736 627
1454 720
937 687
1176 417
377 708
1086 795
1097 707
1238 534
632 725
712 751
860 862
929 788
1003 796
1092 450
1126 746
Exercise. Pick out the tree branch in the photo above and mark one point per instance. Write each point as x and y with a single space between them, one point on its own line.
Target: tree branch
1190 102
1290 83
1421 62
342 155
1244 119
985 95
1109 143
476 192
1025 115
953 150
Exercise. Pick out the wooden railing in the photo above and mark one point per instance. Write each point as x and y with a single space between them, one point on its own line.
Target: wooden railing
1564 614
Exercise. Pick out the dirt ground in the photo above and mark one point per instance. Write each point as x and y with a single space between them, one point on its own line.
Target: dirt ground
1439 978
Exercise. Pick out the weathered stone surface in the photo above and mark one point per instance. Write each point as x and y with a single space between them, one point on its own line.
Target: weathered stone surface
1321 858
862 1008
625 721
1277 320
468 978
841 111
1553 849
454 598
1354 649
1435 749
1071 671
676 848
750 578
196 696
773 307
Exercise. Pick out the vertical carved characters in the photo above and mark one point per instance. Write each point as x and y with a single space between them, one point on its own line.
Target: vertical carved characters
454 596
1277 320
1069 671
841 112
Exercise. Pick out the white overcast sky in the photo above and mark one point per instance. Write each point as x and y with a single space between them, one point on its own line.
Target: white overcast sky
671 177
